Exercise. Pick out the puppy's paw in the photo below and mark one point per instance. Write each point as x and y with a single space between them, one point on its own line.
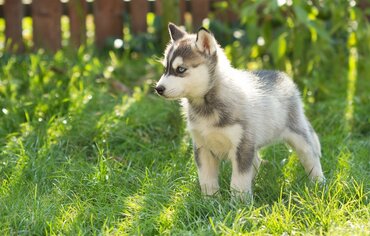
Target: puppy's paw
241 197
317 177
209 189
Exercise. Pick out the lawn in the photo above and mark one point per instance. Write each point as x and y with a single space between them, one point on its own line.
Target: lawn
86 147
79 156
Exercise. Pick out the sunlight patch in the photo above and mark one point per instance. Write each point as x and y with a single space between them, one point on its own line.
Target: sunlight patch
67 218
7 185
131 213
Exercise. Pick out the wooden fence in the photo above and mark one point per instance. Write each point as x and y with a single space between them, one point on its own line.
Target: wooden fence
108 19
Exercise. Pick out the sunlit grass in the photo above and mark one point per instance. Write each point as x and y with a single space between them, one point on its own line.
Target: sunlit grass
101 162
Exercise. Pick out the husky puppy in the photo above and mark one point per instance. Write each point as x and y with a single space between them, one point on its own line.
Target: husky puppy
233 113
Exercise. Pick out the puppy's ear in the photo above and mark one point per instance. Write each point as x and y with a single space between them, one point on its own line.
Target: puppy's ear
205 42
175 32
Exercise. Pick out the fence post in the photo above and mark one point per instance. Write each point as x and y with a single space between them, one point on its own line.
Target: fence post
139 9
46 16
13 14
182 4
226 15
77 18
108 20
158 7
199 10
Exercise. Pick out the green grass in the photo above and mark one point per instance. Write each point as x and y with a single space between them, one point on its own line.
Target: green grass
79 157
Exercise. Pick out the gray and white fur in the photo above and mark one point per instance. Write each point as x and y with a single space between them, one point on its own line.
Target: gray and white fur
233 113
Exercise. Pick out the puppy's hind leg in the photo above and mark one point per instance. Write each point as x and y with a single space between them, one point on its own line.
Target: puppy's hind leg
306 143
208 168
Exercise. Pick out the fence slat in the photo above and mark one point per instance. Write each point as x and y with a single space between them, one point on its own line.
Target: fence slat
13 14
108 20
229 15
46 16
139 9
158 7
199 10
77 18
182 5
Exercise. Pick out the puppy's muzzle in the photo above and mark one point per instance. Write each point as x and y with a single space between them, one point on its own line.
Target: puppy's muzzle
160 89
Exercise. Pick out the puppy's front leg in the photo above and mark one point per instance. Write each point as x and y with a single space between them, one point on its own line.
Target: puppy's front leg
245 164
208 167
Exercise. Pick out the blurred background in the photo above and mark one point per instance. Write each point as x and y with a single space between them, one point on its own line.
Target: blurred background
86 146
314 41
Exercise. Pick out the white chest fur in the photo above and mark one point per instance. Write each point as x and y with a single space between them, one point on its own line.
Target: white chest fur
219 140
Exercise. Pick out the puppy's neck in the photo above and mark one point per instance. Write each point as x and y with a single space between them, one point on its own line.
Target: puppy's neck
207 98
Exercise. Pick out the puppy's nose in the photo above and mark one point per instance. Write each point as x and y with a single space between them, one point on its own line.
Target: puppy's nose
160 89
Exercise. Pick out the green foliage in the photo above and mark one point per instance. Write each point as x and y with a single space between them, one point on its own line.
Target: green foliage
298 37
169 14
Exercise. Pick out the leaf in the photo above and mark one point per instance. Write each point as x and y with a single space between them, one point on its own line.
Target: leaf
279 47
318 30
301 14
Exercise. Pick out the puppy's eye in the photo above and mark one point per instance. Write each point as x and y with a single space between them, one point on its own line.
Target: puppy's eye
180 69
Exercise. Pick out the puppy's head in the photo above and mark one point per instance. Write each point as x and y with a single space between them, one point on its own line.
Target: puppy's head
190 61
